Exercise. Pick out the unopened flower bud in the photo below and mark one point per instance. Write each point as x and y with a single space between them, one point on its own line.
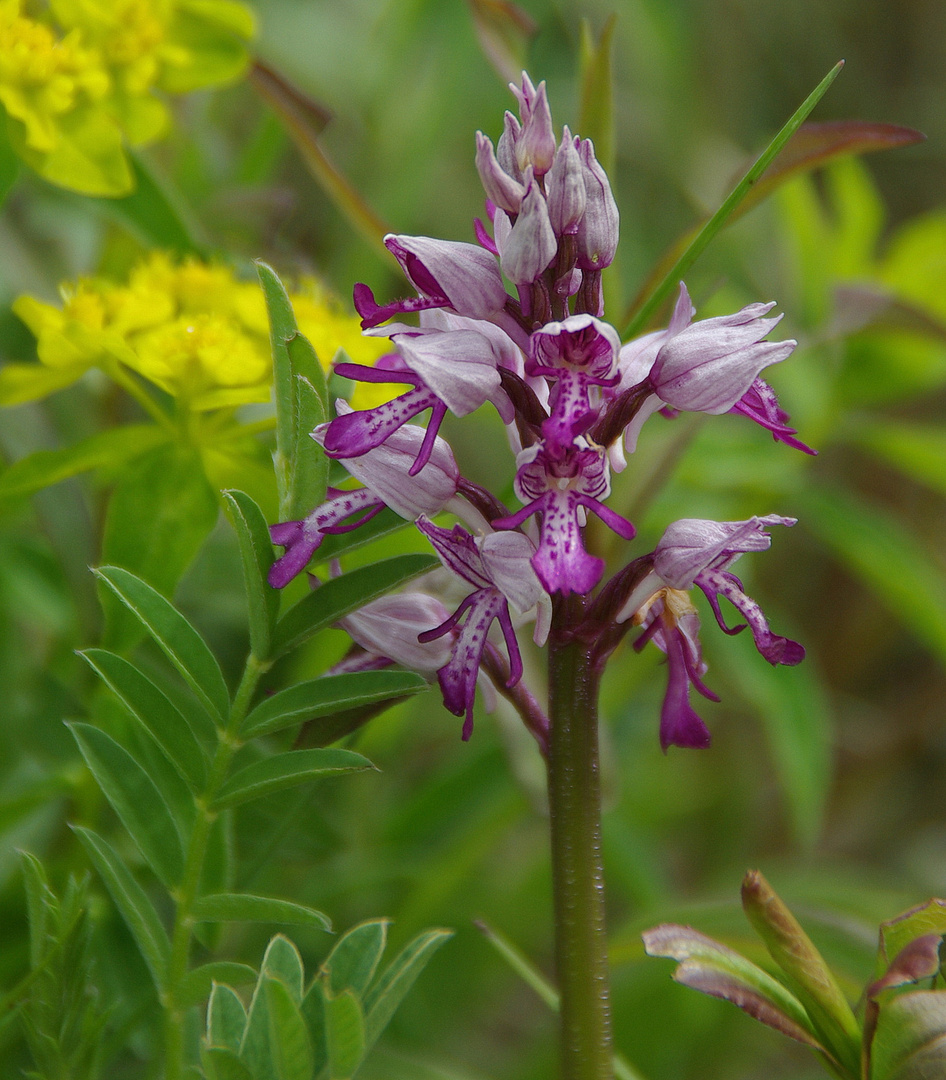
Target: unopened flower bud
499 186
598 229
531 245
566 188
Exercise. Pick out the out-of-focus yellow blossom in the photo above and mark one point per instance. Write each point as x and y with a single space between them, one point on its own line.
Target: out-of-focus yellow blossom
78 76
192 328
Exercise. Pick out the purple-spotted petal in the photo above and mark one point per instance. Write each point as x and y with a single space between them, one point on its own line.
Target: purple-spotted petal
775 649
679 723
386 470
760 404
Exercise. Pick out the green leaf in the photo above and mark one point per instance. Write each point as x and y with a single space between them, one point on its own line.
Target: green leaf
284 771
152 214
165 723
805 969
389 991
596 114
910 1040
200 983
313 1013
344 1034
256 553
39 902
282 961
222 1063
181 643
276 1044
135 798
159 515
88 155
326 696
282 327
336 598
243 907
886 556
135 907
226 1017
20 383
714 969
309 465
352 962
896 933
46 467
671 279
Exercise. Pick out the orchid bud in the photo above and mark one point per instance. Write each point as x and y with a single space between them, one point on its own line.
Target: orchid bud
531 245
598 229
499 186
566 188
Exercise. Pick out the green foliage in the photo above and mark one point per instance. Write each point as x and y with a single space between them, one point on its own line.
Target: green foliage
322 1032
902 1035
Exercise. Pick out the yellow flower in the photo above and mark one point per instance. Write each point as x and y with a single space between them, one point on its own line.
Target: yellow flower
190 327
81 76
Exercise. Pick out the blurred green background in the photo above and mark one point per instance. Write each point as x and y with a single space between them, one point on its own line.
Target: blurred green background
828 777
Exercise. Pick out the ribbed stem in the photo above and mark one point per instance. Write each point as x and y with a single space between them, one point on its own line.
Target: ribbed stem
577 875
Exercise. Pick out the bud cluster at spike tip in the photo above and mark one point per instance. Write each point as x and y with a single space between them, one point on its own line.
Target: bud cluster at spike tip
573 398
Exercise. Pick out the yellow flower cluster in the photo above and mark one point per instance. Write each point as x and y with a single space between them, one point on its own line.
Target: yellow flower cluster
80 78
191 328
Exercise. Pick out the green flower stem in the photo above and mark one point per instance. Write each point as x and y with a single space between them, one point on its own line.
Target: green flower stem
577 876
187 892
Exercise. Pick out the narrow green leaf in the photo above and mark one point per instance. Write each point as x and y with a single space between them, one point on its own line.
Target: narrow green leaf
309 464
910 1040
282 327
135 798
276 1043
222 1063
135 907
153 214
712 968
353 961
344 594
388 992
344 1034
806 972
256 553
39 901
167 726
199 984
671 279
326 696
243 907
817 144
183 646
46 467
596 113
886 556
226 1017
284 771
167 489
282 961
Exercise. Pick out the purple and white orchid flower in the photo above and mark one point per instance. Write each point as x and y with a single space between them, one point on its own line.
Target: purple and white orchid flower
697 552
498 567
